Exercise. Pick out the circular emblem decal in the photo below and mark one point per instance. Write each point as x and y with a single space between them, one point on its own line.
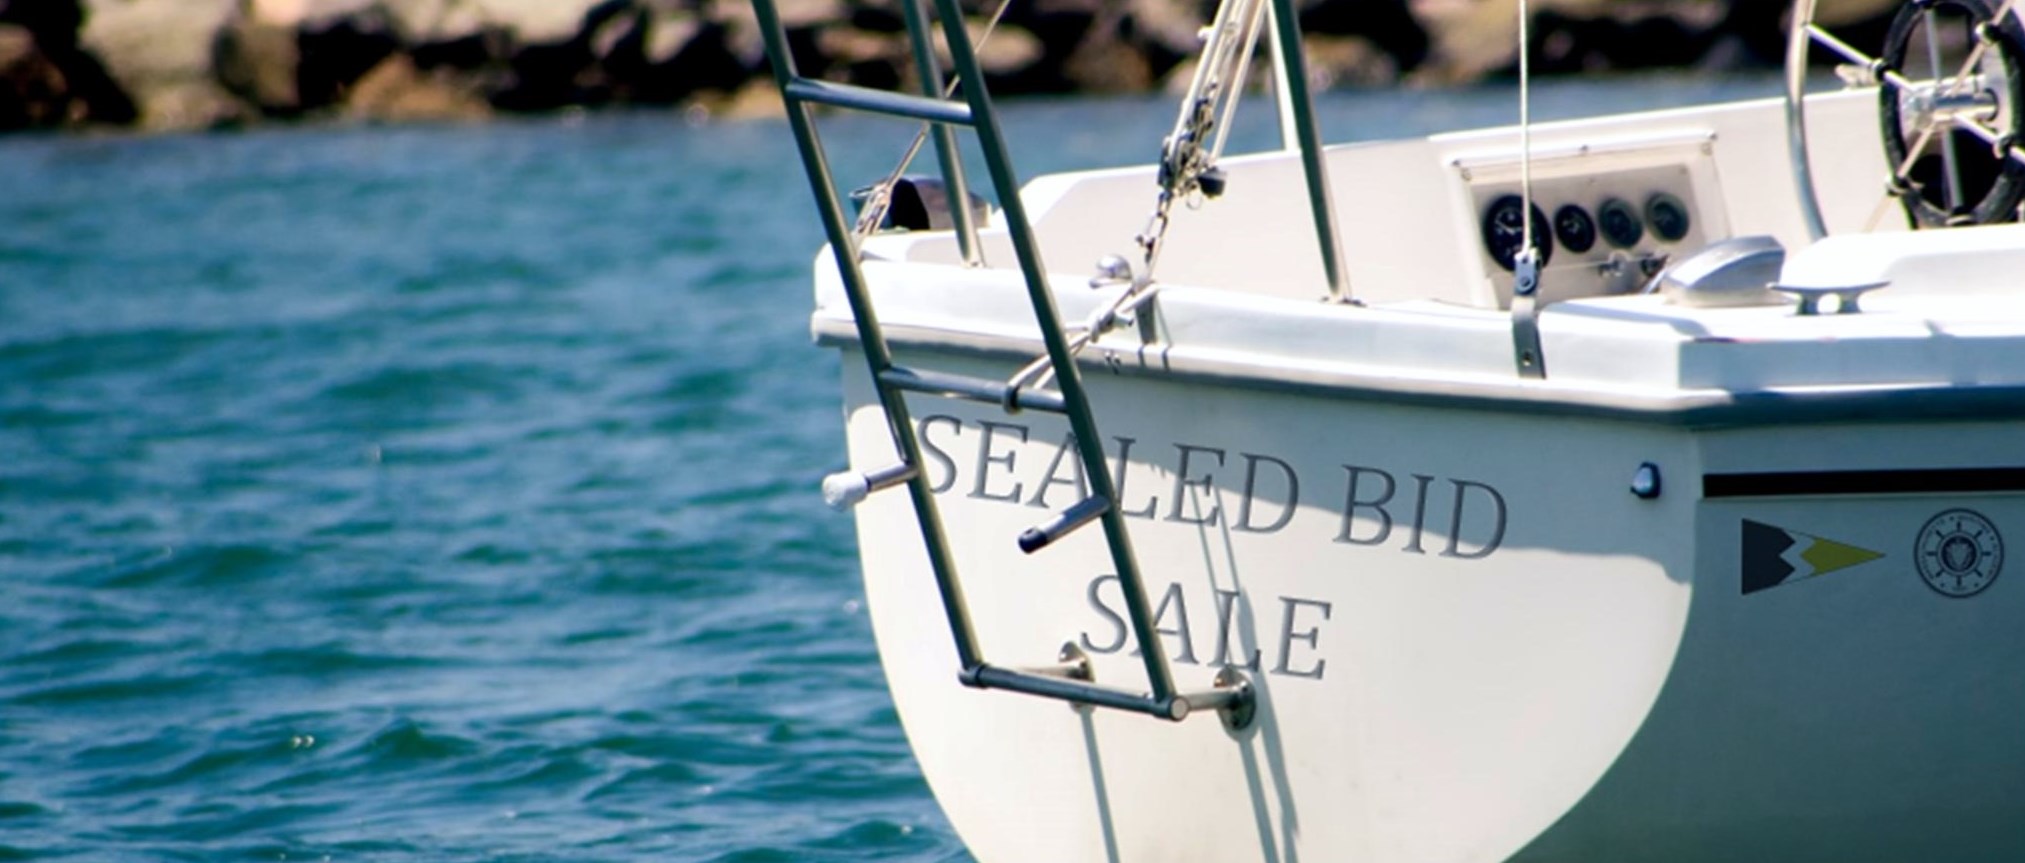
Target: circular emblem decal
1959 553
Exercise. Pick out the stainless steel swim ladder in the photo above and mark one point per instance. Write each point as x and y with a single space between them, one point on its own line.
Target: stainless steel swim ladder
1069 678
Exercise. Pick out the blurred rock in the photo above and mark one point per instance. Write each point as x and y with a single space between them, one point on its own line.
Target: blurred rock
1105 60
477 51
183 105
795 14
758 99
867 59
257 61
52 19
530 21
195 63
1625 36
1473 39
1169 27
33 94
334 54
1387 25
545 76
159 52
1350 61
711 61
1754 33
637 52
741 31
289 57
1005 53
55 80
1008 51
398 91
1062 29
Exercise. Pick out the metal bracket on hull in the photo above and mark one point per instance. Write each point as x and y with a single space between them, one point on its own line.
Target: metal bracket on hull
1231 696
1072 675
1234 700
1526 352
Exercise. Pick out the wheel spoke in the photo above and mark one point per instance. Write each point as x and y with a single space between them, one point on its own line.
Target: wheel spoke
1982 45
1901 177
1829 41
1903 172
1984 97
1951 163
1878 212
2011 150
1933 43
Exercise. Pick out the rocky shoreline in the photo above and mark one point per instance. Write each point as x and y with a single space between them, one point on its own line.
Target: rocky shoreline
193 64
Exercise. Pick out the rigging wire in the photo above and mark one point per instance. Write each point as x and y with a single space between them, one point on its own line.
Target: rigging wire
879 195
1188 155
1188 158
1525 305
1526 131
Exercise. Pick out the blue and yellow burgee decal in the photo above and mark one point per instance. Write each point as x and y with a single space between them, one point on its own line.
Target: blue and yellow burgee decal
1774 556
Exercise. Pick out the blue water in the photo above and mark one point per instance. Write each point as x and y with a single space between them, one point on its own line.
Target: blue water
448 493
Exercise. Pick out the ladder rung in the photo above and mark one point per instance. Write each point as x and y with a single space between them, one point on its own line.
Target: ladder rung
994 677
878 101
1237 698
975 389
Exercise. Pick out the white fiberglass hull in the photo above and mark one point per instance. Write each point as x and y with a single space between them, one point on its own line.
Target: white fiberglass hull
1471 641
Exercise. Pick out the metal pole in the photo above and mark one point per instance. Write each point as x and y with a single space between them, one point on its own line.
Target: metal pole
877 357
1287 30
1067 377
946 152
1283 92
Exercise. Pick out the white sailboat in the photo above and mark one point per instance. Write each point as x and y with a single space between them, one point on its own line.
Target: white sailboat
1357 516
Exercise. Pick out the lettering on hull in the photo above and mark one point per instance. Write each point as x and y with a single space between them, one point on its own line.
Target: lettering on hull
1178 483
1285 641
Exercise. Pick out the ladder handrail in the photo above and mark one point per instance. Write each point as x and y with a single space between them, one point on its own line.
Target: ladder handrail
891 382
1068 377
815 164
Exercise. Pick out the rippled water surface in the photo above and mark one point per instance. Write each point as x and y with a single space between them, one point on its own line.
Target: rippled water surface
449 493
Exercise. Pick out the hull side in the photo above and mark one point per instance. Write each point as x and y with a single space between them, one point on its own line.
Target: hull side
1456 621
1854 714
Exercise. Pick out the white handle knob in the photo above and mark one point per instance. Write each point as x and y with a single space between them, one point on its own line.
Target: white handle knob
843 490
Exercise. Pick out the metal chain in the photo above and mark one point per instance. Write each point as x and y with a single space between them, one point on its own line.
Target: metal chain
1188 154
1187 168
1149 239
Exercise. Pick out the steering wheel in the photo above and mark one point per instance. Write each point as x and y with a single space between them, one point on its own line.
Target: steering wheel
1951 105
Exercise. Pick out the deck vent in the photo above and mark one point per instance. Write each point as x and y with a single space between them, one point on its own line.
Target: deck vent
1734 272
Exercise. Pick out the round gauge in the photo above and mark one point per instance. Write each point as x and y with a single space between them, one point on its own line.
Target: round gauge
1620 223
1505 232
1574 228
1667 216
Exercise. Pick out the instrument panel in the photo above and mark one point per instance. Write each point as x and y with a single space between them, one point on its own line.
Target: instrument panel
1623 225
1605 221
